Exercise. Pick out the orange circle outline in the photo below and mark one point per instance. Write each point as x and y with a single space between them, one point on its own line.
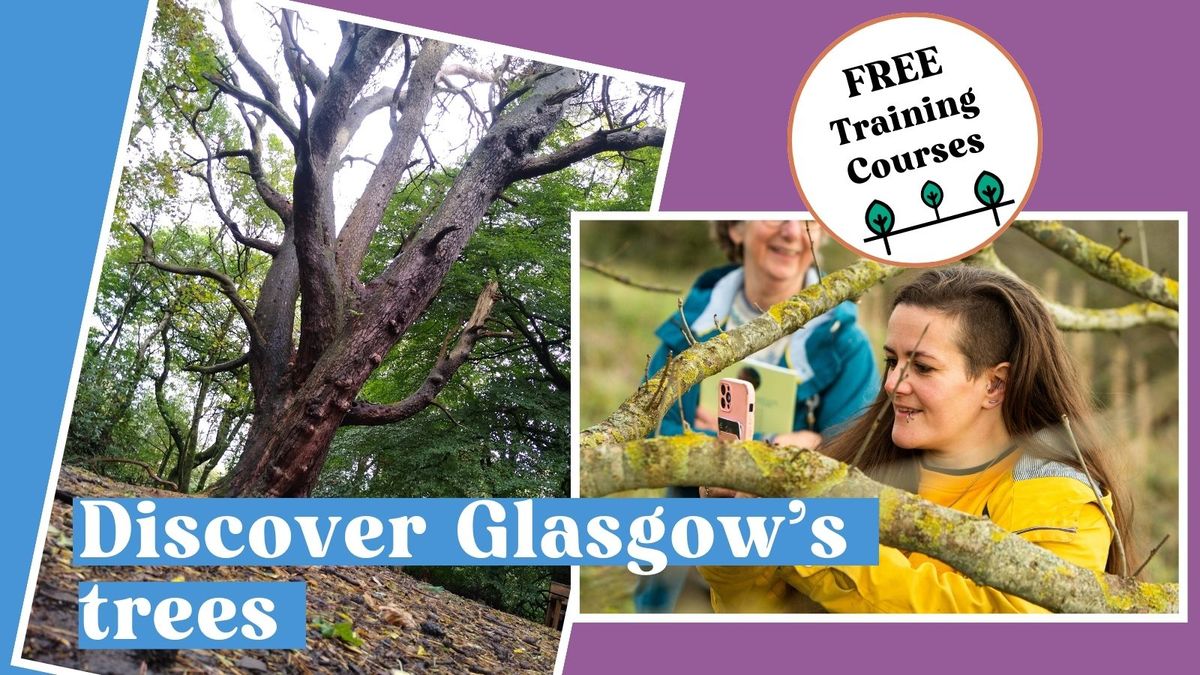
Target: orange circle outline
1037 113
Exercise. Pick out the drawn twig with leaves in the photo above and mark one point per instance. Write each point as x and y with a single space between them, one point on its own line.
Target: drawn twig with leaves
881 219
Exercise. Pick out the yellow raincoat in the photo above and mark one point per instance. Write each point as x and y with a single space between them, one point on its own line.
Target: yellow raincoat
1047 503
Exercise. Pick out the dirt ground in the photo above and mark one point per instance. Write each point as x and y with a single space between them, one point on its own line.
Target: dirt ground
405 625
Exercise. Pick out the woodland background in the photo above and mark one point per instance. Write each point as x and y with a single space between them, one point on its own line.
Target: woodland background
213 162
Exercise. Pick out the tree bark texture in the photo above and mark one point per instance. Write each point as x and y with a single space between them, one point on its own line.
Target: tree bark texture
1103 262
974 546
1069 318
306 388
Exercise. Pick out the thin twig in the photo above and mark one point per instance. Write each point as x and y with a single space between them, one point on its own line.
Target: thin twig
812 247
891 400
687 330
1142 239
1122 239
1152 554
604 271
444 410
1099 497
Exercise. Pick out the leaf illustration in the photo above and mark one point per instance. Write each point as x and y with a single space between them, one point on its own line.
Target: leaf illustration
931 194
880 217
988 189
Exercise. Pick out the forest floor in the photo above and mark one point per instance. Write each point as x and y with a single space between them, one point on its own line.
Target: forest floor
405 625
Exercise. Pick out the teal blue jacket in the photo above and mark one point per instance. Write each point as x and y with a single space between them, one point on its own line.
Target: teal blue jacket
831 355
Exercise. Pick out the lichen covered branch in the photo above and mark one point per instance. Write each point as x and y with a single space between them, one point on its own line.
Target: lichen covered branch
1070 318
1103 262
974 546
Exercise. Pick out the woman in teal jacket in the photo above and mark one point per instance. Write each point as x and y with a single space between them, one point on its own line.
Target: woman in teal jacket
832 359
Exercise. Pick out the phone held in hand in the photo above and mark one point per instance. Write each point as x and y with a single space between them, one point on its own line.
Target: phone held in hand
735 410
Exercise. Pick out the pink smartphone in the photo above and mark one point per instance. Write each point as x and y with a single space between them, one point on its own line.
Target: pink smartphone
735 410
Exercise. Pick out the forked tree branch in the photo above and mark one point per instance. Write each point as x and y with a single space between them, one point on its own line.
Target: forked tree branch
355 238
277 116
275 200
227 286
600 141
256 243
295 56
259 74
974 546
448 363
1070 318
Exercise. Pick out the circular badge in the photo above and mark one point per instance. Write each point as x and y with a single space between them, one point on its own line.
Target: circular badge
915 139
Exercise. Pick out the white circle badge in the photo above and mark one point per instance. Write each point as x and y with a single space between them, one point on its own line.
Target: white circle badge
915 139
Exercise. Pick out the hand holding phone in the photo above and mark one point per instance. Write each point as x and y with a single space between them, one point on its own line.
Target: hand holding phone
735 410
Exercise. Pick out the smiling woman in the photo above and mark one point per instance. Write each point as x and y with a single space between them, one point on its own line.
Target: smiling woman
970 417
831 359
948 409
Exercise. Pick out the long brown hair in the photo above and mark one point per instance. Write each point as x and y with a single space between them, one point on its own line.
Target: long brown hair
999 319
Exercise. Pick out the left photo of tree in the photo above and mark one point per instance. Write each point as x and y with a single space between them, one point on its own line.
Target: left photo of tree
338 265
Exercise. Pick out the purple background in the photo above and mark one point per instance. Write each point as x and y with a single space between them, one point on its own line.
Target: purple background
1117 92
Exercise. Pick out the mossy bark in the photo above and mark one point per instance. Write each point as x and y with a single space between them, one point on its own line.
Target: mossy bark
974 546
1103 262
1069 318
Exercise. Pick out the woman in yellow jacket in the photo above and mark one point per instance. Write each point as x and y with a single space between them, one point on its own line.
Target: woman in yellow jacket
977 381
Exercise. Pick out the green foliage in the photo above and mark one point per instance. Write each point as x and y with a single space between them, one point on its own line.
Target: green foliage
510 432
516 590
342 630
502 428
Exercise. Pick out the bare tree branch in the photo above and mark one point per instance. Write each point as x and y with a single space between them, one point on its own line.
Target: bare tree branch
448 363
123 460
1103 262
600 141
616 276
355 237
227 286
359 54
223 367
263 245
1070 318
277 116
276 201
259 74
311 75
974 546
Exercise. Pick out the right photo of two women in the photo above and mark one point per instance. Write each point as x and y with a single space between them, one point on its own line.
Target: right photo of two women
1033 385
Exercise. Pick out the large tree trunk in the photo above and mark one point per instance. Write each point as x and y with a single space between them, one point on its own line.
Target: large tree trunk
306 388
288 445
